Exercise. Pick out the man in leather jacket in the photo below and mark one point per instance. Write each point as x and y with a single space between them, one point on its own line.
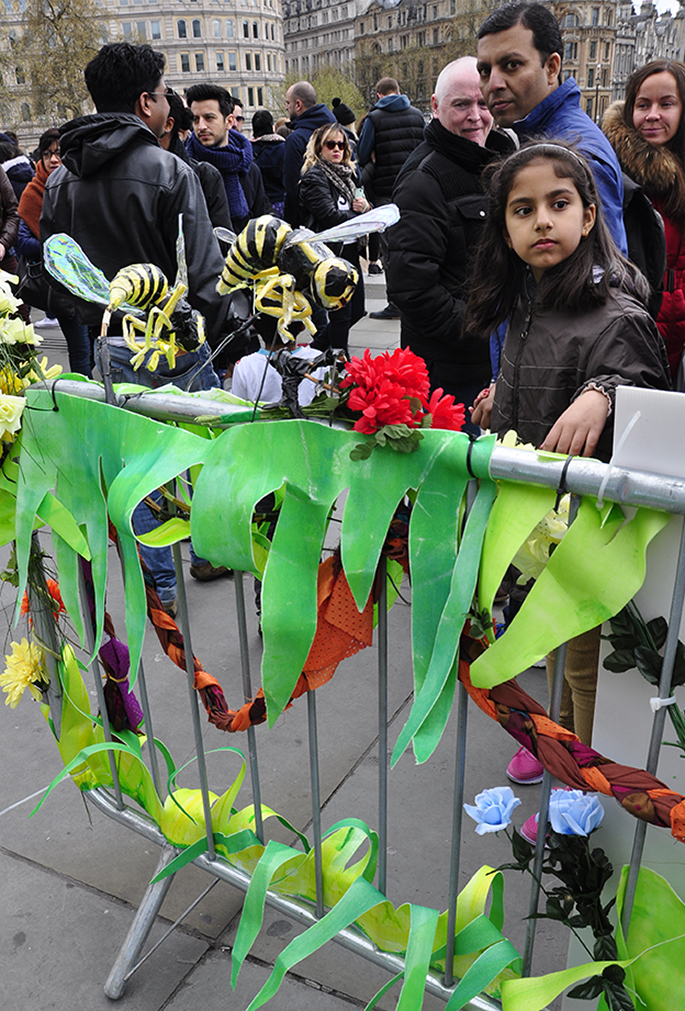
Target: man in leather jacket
119 195
433 245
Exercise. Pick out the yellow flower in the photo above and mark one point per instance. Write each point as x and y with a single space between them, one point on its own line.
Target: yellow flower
15 331
11 409
24 668
10 382
43 372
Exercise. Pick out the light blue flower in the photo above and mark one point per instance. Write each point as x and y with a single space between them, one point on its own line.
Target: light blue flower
573 812
493 809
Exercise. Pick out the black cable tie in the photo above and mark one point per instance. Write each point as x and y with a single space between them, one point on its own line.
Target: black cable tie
472 441
562 489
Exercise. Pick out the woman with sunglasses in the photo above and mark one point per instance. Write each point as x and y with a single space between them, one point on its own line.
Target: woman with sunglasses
329 194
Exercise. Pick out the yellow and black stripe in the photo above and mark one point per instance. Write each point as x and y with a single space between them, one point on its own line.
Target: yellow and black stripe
140 284
256 249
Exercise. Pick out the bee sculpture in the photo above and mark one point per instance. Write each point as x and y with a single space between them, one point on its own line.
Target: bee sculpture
157 318
290 268
169 316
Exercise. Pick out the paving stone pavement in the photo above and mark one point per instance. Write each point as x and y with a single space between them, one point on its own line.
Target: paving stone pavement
71 878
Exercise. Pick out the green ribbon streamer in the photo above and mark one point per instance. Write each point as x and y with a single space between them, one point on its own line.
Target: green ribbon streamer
359 899
596 569
462 587
417 959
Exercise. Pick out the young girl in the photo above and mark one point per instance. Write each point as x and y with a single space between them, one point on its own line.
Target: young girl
575 308
577 329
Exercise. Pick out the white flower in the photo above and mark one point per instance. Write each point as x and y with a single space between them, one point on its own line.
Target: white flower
11 409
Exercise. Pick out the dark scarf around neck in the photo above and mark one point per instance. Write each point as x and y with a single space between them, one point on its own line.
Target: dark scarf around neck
231 160
341 176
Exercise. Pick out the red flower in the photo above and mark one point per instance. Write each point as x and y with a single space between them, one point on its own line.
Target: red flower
386 404
383 387
54 591
444 412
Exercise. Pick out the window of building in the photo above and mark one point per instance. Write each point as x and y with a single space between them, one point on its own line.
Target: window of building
21 76
389 45
246 29
420 38
593 50
260 96
436 36
595 15
25 110
182 29
567 74
272 33
126 31
571 51
156 29
435 12
200 62
255 30
230 32
268 63
197 29
588 107
185 63
220 61
232 62
141 29
569 21
607 17
216 28
591 77
123 3
235 93
258 62
361 27
248 61
375 22
250 96
606 50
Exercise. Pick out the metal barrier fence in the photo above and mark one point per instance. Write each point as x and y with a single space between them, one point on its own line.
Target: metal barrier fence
579 477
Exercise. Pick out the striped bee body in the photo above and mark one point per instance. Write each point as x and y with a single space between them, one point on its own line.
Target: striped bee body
140 284
256 249
327 279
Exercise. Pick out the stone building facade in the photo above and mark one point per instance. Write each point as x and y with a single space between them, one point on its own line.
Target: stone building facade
235 43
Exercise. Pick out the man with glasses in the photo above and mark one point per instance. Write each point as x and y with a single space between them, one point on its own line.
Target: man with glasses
121 197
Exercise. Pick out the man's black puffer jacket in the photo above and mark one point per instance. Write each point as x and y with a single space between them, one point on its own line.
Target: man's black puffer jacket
119 195
433 246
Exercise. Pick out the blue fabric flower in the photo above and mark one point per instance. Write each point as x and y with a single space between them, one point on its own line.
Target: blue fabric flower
493 809
573 812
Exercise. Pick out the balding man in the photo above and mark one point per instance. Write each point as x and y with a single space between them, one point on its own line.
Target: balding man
306 115
433 245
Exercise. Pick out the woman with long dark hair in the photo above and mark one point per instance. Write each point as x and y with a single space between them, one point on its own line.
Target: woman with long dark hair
647 132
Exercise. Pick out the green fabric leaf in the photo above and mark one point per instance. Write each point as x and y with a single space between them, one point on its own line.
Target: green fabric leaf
462 587
357 900
417 959
486 968
52 512
596 569
170 532
275 855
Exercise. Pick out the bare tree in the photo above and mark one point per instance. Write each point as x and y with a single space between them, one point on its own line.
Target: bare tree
58 39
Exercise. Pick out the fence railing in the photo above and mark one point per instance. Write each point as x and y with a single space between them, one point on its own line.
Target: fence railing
580 477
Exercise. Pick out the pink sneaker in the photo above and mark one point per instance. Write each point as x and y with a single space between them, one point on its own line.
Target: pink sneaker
529 829
524 768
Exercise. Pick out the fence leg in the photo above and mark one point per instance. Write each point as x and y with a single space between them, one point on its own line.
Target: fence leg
140 928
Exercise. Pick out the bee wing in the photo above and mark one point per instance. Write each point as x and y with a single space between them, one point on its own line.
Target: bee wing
376 220
67 263
225 235
182 266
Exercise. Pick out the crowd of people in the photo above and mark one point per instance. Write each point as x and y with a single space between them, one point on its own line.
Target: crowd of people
513 268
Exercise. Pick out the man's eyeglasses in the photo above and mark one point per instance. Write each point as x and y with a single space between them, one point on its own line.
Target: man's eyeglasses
154 95
240 119
332 144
